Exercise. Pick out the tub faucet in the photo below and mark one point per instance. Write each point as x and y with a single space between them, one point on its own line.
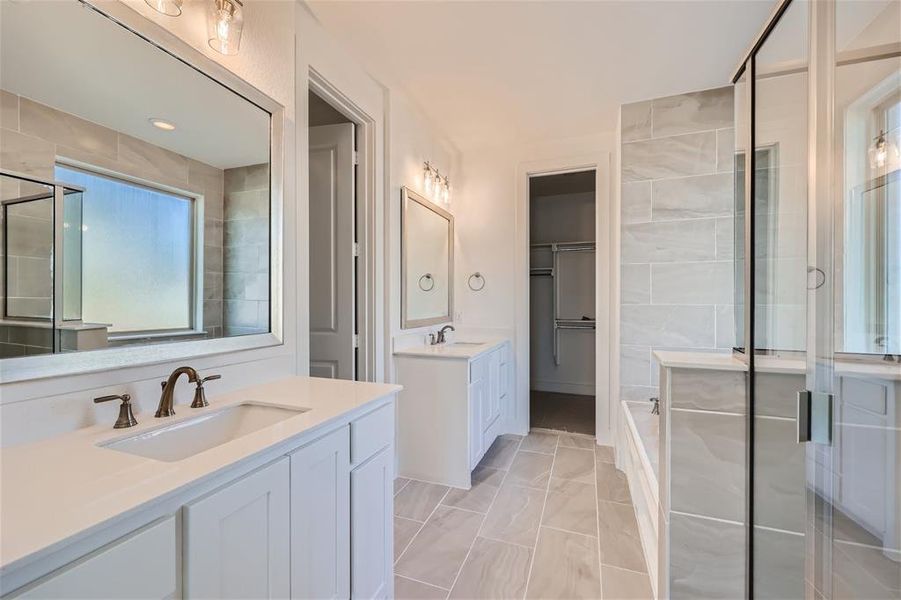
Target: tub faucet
165 408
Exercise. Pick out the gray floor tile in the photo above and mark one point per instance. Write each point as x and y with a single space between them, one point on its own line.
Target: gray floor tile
493 570
539 441
404 530
565 566
575 464
399 483
530 469
612 484
515 515
563 412
620 584
417 500
501 453
604 454
619 538
407 589
438 551
572 440
572 506
485 483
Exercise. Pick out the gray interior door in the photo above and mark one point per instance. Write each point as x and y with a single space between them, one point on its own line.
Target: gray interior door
332 273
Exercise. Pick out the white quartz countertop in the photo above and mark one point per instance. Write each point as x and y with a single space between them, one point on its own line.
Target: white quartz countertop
56 490
774 364
462 349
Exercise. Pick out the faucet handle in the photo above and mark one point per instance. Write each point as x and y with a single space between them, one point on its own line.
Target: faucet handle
200 394
126 416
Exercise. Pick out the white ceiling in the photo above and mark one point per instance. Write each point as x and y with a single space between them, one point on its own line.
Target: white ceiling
500 72
66 56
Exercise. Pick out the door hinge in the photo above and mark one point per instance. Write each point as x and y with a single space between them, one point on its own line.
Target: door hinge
356 340
356 157
814 417
356 249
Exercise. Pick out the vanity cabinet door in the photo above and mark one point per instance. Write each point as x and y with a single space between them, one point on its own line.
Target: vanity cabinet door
320 518
478 401
372 542
237 543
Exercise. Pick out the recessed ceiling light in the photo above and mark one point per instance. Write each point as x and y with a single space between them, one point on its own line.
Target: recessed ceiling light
161 124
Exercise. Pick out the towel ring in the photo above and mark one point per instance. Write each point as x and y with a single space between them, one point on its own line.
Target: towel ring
478 286
430 282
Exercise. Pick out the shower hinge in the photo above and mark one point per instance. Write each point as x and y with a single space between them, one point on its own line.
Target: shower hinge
815 417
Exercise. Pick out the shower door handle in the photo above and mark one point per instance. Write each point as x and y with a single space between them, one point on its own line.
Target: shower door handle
814 418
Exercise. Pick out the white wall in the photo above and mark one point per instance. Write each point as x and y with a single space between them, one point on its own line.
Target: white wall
489 217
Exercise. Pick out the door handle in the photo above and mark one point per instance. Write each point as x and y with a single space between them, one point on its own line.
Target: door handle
814 417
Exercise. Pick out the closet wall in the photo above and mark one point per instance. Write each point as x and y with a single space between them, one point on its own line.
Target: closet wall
561 218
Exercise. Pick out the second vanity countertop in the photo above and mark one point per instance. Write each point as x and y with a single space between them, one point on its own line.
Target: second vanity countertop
56 490
772 364
463 349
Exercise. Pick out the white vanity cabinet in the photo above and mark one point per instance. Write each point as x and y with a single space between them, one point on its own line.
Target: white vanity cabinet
236 543
454 404
313 519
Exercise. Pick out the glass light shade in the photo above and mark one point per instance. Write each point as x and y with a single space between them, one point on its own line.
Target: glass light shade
225 21
170 8
447 192
427 180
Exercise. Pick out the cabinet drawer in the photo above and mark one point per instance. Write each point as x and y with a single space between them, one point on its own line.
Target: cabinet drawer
370 433
141 565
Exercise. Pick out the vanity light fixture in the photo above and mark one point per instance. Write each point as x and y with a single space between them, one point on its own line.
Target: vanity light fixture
161 124
225 21
436 185
170 8
881 151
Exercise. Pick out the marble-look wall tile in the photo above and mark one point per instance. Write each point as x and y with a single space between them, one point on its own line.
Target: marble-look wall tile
160 164
672 241
692 197
26 154
703 389
9 111
725 150
697 111
707 558
636 202
691 283
677 156
725 238
707 464
66 130
775 394
636 121
635 365
636 284
725 326
688 326
779 477
779 564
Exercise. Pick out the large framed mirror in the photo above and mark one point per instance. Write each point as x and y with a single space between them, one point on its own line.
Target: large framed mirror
427 249
141 189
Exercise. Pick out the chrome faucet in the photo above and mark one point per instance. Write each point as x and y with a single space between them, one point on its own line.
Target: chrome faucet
165 408
443 332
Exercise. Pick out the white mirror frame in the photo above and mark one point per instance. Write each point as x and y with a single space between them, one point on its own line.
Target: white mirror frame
407 323
54 365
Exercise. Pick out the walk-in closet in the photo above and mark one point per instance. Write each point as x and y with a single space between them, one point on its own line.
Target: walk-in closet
562 301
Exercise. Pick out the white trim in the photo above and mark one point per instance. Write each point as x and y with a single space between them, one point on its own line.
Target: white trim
601 163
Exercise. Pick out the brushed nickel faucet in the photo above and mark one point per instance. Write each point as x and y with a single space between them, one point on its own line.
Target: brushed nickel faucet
126 416
165 408
443 332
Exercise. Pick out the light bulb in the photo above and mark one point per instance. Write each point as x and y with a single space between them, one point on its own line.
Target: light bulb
225 21
447 192
427 180
222 25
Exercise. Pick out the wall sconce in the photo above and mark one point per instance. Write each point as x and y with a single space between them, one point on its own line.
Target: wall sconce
882 151
436 185
170 8
225 21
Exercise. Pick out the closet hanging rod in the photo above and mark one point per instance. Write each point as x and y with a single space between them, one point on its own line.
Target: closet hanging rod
541 272
576 321
582 327
562 245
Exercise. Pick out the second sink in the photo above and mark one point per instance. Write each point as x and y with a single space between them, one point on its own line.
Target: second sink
191 436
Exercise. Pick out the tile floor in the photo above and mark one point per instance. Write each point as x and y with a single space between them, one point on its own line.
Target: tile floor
548 516
563 412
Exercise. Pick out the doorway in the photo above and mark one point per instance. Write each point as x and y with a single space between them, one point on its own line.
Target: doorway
562 306
333 161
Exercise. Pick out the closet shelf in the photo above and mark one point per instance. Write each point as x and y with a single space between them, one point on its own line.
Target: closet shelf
565 246
541 272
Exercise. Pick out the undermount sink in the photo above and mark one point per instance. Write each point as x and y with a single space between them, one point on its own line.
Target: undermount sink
191 436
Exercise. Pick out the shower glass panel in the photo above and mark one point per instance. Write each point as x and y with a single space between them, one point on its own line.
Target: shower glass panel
779 201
